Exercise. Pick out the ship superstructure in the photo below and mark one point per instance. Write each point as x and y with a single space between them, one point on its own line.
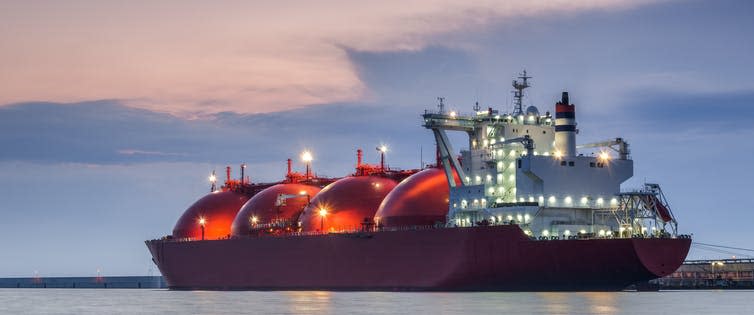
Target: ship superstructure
525 168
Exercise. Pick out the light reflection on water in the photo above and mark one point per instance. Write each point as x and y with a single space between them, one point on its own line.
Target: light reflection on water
601 302
555 302
134 301
309 302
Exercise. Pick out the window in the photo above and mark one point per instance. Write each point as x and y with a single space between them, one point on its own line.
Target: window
591 164
562 163
570 163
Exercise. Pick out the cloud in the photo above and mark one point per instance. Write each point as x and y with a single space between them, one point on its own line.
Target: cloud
93 132
110 132
107 133
198 57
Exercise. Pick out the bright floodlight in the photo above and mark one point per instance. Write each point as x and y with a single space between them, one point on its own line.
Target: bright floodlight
307 156
302 193
453 114
202 221
323 212
254 220
212 178
383 148
558 154
604 156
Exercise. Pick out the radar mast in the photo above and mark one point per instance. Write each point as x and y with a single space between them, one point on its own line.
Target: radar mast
518 94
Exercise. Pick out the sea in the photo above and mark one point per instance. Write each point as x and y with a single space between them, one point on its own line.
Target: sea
163 301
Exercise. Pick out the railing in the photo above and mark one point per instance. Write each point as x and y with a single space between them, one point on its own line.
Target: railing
594 237
579 236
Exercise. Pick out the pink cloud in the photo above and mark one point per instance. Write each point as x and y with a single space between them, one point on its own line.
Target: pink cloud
195 57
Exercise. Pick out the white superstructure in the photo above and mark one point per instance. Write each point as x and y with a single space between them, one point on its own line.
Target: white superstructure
524 168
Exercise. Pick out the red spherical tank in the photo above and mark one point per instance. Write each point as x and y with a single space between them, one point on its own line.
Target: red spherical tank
214 211
421 199
344 204
263 208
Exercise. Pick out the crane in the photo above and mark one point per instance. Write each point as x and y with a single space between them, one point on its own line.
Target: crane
622 146
526 141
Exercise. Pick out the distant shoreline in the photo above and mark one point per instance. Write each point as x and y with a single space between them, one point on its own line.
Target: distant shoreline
101 282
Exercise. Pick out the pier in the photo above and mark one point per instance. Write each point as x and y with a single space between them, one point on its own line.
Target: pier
711 274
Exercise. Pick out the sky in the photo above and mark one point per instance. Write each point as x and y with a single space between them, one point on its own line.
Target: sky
112 114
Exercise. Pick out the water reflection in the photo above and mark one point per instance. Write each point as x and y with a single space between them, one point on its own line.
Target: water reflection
601 302
309 302
556 302
129 301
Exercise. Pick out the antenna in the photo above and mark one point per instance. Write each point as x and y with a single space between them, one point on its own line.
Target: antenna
518 94
476 107
441 105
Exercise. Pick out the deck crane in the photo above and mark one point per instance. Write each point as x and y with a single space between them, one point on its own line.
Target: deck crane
622 146
525 141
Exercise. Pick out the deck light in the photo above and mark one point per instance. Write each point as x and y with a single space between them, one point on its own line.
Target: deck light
604 156
307 156
202 221
322 215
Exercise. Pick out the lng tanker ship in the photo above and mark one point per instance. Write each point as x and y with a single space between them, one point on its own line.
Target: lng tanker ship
522 208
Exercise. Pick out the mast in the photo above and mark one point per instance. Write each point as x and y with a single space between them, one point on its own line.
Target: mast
518 94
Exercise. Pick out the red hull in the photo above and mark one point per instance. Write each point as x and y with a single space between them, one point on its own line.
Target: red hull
494 258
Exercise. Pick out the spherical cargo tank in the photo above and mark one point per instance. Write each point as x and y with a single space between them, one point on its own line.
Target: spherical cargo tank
263 208
216 211
344 204
421 199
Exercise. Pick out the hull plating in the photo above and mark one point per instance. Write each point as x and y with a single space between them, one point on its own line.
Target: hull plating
495 258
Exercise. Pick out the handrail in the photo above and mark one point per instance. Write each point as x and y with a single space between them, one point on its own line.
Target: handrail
422 228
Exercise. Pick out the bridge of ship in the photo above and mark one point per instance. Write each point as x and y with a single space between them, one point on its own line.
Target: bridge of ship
637 213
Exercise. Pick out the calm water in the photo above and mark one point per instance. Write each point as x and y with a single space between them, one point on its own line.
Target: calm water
135 301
